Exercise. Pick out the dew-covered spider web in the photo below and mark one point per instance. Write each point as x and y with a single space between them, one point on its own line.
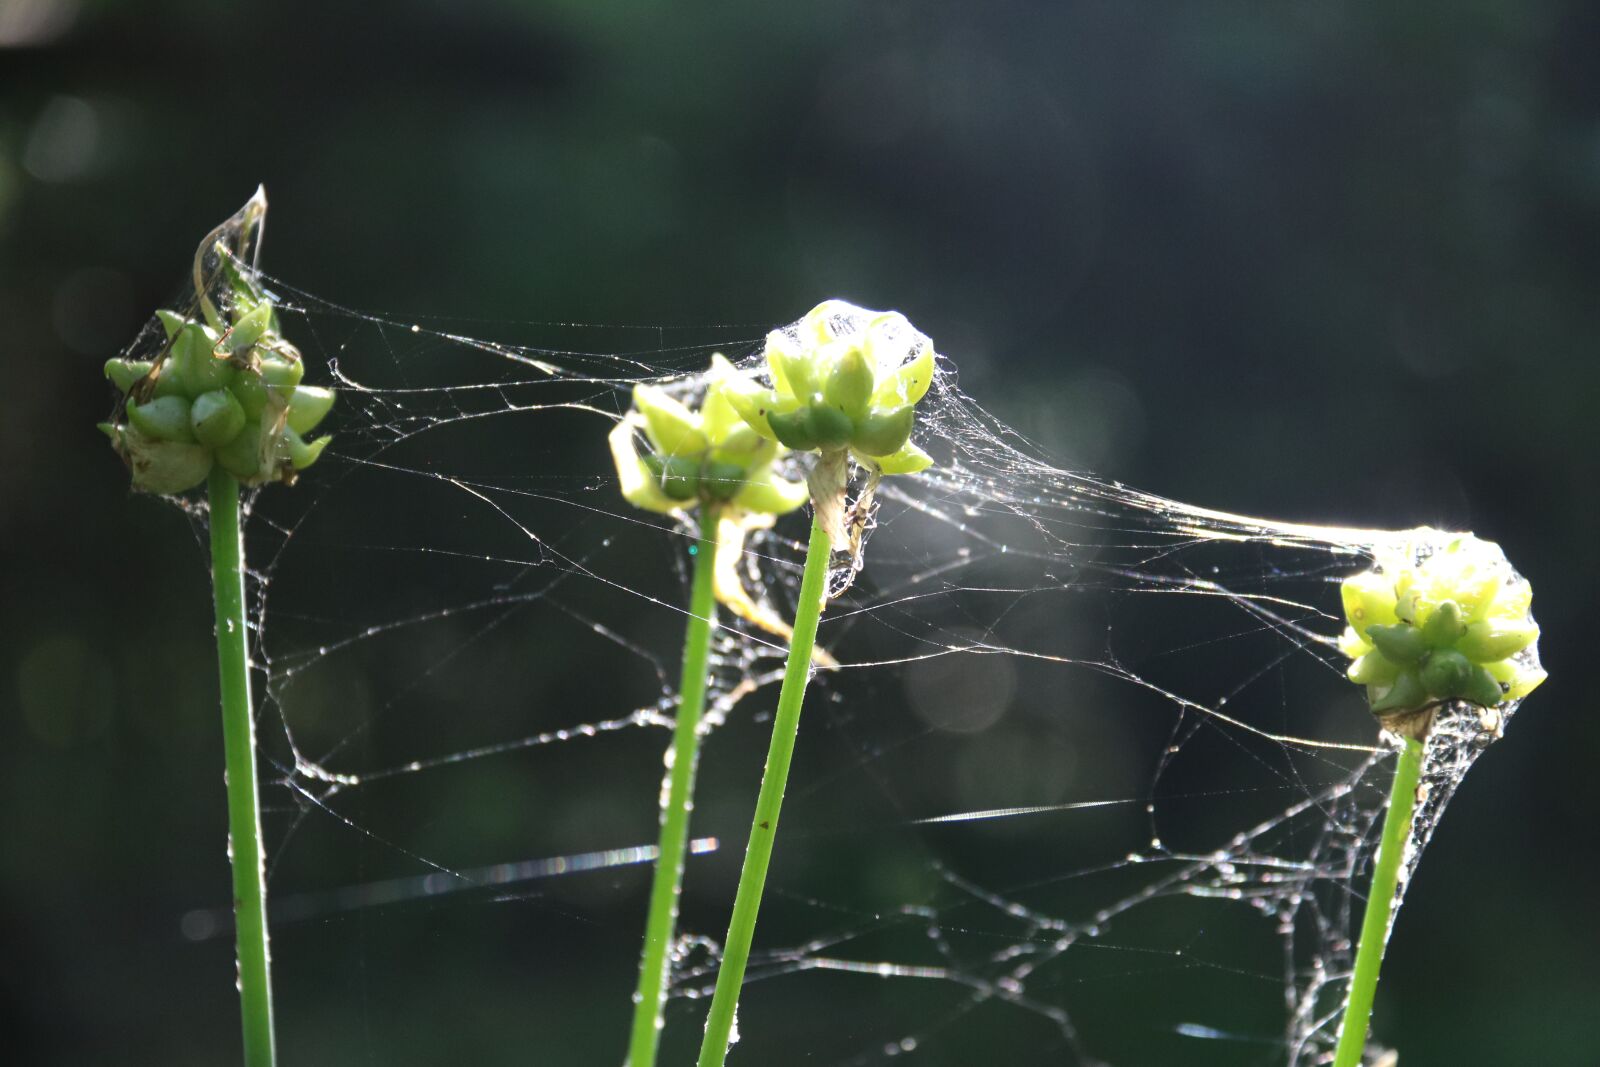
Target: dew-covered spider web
1087 784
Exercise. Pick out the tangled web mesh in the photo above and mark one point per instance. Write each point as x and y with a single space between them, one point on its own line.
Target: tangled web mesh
1087 784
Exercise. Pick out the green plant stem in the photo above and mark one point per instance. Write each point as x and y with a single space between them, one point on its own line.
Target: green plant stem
667 884
764 827
239 748
1380 906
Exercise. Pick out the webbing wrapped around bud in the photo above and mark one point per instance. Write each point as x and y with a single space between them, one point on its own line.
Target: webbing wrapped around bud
844 379
699 457
1431 625
225 387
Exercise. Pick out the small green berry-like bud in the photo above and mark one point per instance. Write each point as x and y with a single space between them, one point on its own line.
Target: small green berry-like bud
282 373
678 476
165 418
126 373
850 385
1401 643
721 481
250 328
1446 674
1482 688
1374 668
1444 627
252 393
308 406
302 453
793 429
216 418
884 434
1496 639
1406 694
829 427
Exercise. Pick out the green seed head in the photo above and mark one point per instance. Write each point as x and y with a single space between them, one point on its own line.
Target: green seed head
706 456
228 395
843 379
1433 623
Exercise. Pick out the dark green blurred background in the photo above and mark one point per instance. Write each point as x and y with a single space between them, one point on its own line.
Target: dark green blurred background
1322 261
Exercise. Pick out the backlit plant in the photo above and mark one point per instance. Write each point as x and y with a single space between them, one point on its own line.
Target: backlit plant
844 386
222 403
711 463
1426 629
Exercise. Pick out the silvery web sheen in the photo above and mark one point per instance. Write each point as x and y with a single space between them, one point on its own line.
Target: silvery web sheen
1021 802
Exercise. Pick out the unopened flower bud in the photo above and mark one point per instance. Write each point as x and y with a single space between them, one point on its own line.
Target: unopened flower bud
206 399
1433 625
842 380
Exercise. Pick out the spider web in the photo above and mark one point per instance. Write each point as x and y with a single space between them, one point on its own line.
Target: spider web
1087 784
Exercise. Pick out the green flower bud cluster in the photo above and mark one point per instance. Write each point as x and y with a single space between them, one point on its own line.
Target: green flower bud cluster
844 379
708 457
232 397
1452 626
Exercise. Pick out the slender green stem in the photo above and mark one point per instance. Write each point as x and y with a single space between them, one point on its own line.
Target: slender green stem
239 747
764 827
1380 906
667 883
